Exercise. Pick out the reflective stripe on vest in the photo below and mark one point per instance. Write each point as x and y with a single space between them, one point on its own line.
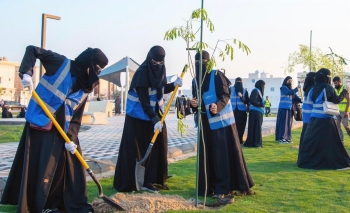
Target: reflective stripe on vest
53 91
342 104
267 103
134 107
259 109
71 104
225 117
307 107
236 101
317 107
285 101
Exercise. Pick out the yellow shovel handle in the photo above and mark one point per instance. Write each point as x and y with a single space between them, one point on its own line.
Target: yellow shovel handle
58 127
168 105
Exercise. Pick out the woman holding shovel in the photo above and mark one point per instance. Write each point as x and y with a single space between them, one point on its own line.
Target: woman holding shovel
45 176
143 113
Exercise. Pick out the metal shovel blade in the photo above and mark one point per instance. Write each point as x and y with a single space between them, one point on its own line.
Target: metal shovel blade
140 170
139 175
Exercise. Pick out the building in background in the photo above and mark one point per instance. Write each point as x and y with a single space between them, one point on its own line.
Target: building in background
272 85
10 83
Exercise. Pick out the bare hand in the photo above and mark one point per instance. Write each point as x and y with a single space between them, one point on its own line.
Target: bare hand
214 109
239 94
346 114
194 102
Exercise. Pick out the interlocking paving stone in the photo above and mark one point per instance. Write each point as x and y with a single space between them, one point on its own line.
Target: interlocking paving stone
102 141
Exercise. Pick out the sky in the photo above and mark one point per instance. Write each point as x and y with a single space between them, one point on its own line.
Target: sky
272 29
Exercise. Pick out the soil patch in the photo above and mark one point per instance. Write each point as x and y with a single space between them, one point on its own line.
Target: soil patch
145 202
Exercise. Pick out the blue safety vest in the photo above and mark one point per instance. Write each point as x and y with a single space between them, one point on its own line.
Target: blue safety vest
259 109
307 107
286 101
134 107
54 91
225 117
317 107
236 101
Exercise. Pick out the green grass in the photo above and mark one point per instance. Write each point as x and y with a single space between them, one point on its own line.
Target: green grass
10 133
280 185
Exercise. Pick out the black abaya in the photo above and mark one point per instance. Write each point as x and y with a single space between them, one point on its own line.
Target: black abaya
137 135
44 175
241 122
254 138
225 164
321 147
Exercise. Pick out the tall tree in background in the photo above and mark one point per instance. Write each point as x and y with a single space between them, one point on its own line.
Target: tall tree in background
316 60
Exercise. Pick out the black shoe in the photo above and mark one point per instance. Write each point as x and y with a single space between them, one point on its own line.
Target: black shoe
225 199
150 186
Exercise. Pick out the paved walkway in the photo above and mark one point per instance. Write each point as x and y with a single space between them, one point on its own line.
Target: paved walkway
102 141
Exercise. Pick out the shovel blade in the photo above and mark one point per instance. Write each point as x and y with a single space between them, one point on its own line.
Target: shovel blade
139 175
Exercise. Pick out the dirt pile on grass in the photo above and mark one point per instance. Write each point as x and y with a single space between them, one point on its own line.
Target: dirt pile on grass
145 202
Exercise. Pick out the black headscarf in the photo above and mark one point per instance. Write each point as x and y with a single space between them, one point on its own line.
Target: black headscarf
238 85
309 82
261 86
285 82
205 56
88 59
149 74
322 79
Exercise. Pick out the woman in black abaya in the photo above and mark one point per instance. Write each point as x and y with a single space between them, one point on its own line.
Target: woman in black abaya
141 120
225 165
240 115
284 121
45 176
321 147
307 106
256 112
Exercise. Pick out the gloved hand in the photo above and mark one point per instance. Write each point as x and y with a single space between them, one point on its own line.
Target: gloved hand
159 126
178 81
27 81
71 147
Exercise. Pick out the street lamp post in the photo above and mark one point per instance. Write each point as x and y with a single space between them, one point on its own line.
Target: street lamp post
43 35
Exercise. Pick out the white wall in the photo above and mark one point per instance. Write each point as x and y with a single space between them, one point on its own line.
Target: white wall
272 85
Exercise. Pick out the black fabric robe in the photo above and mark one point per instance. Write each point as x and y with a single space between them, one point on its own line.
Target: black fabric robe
6 113
284 121
180 105
241 117
44 175
254 137
321 146
225 164
117 107
137 135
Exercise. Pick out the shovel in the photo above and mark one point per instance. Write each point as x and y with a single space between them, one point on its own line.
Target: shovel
77 154
139 169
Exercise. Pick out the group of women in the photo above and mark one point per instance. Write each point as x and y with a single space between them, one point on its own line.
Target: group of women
56 180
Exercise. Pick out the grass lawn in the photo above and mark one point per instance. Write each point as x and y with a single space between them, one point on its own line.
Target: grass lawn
280 185
10 133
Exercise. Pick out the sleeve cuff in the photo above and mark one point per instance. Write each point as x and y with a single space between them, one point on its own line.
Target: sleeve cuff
155 119
29 72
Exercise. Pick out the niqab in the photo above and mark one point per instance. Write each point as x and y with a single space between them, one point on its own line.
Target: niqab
285 82
238 85
322 79
205 58
309 82
151 74
261 86
88 59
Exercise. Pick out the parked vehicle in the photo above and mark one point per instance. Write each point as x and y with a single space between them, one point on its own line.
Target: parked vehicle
14 105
